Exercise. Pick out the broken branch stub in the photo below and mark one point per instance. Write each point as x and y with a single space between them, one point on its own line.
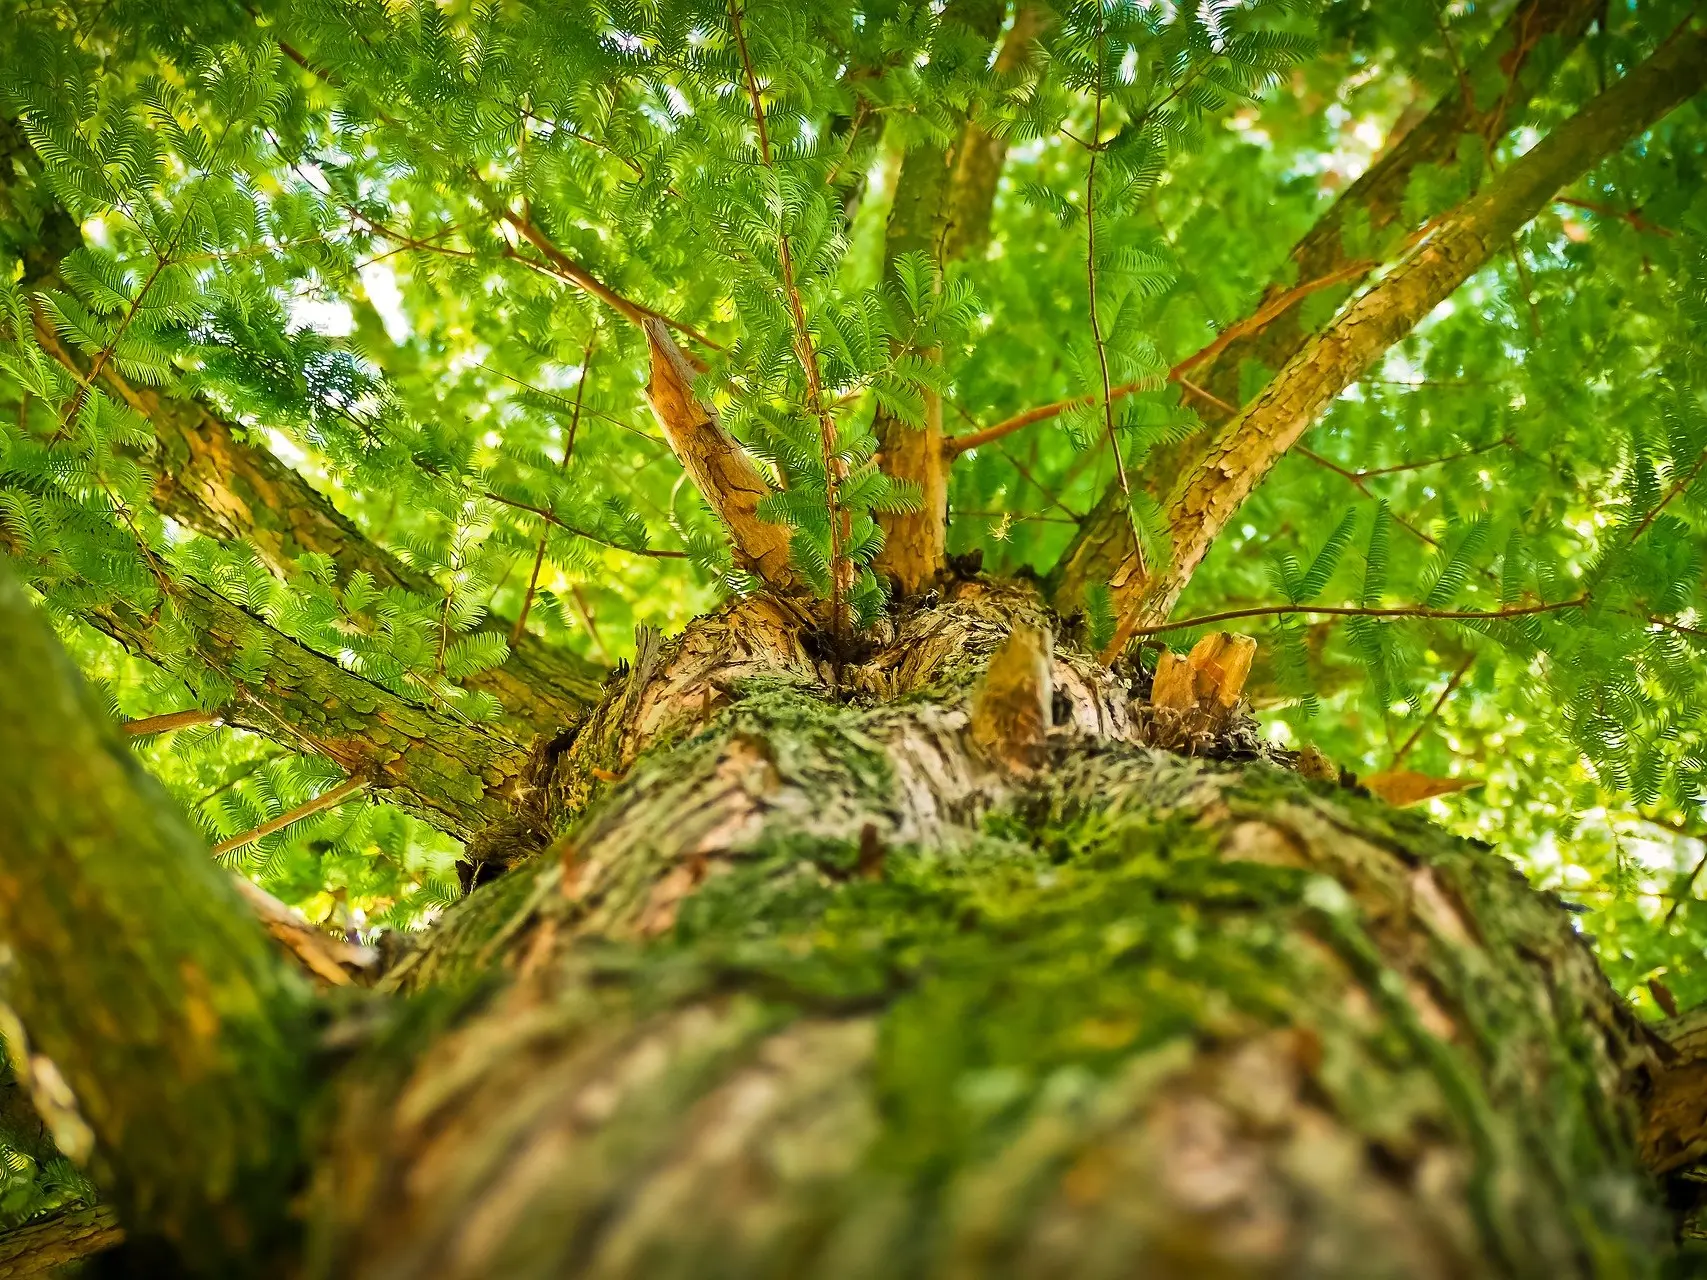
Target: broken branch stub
1195 699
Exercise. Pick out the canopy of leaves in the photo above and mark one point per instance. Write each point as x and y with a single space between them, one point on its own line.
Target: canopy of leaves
400 247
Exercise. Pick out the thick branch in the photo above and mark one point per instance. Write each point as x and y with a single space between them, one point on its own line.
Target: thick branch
921 220
41 1248
1274 332
1206 497
165 1039
212 482
728 481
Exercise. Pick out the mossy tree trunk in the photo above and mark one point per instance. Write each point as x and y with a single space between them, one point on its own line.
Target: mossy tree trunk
867 971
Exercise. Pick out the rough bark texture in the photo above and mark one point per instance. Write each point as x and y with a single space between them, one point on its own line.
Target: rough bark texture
822 986
147 1015
1513 61
1205 497
923 219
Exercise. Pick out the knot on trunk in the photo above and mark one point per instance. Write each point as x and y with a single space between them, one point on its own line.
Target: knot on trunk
1011 710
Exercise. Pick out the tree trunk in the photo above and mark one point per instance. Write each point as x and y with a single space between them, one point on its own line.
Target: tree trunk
831 983
936 963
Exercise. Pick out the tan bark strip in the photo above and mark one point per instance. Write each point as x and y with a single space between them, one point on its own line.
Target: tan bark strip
1205 498
329 799
1376 198
41 1248
730 484
150 725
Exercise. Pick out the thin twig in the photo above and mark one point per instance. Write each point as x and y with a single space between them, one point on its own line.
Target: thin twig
545 513
520 629
1096 322
1688 892
326 800
1416 734
1349 611
1632 216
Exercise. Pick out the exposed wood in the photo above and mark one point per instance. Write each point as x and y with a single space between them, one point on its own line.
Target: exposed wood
727 479
41 1248
1213 674
1375 200
1243 451
1011 710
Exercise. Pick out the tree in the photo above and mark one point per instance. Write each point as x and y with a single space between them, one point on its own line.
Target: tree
923 388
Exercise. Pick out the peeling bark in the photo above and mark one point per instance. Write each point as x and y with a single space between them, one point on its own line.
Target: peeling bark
1103 542
728 481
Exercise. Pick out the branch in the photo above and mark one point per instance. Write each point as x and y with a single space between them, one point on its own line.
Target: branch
731 485
835 468
329 799
1209 495
151 725
941 208
1374 202
1096 321
137 976
42 1248
210 481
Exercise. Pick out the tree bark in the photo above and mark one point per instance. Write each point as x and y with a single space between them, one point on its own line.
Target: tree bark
1375 201
144 1010
839 985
